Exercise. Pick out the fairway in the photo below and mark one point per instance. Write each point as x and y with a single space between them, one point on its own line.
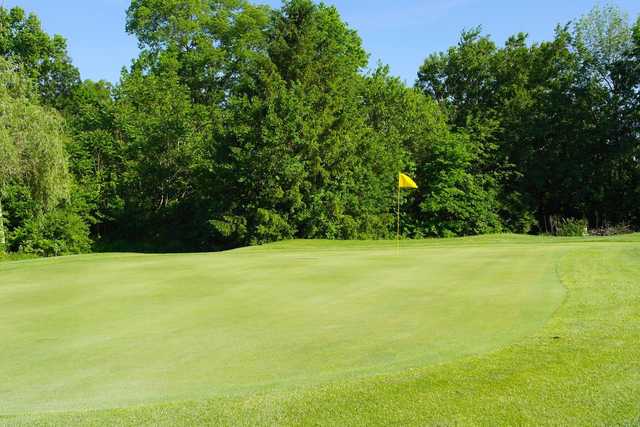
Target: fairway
125 330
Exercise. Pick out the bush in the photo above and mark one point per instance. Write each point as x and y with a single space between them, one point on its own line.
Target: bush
611 230
59 232
271 227
569 226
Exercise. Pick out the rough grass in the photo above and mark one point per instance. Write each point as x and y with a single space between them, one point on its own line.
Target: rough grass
6 257
472 331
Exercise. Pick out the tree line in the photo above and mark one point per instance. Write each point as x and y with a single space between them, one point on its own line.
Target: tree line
240 124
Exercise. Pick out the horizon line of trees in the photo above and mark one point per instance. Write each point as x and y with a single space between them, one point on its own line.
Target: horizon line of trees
240 124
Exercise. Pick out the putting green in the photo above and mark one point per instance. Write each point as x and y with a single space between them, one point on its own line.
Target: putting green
117 330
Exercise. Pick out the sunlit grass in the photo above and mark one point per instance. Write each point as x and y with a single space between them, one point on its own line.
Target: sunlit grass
492 330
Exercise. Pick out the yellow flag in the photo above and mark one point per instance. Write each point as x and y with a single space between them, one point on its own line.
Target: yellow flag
406 182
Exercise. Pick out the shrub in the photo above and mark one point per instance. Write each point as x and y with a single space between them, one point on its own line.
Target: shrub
271 227
611 230
569 226
59 232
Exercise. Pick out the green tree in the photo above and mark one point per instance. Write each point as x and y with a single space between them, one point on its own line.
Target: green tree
32 143
44 58
466 82
412 130
602 40
549 121
96 154
267 116
164 135
214 44
173 110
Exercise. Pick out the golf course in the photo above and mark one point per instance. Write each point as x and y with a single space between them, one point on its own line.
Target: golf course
319 213
498 329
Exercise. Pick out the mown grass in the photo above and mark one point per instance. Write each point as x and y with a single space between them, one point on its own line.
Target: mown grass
505 330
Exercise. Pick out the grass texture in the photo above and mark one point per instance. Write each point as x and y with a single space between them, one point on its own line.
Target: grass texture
490 330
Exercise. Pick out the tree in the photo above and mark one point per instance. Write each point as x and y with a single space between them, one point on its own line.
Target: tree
602 40
31 143
412 132
96 154
466 82
551 121
44 58
254 124
213 43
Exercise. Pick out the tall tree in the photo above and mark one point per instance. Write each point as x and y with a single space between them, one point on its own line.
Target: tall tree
44 57
269 110
601 40
96 153
466 83
31 142
551 119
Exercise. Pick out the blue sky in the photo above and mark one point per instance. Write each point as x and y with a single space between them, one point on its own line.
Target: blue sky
400 33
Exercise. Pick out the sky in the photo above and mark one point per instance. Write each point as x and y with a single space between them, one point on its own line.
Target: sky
400 33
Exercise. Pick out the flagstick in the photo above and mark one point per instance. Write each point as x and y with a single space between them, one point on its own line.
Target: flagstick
398 224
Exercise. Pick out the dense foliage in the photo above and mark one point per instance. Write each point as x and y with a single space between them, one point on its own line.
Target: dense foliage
240 124
34 180
559 119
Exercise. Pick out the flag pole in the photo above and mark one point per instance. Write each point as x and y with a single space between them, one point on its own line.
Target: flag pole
398 220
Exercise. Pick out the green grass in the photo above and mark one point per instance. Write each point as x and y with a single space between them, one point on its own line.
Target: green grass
487 330
6 257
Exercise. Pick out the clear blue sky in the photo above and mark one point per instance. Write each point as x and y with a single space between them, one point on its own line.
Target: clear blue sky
400 33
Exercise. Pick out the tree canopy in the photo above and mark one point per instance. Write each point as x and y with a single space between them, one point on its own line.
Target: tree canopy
32 139
241 124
